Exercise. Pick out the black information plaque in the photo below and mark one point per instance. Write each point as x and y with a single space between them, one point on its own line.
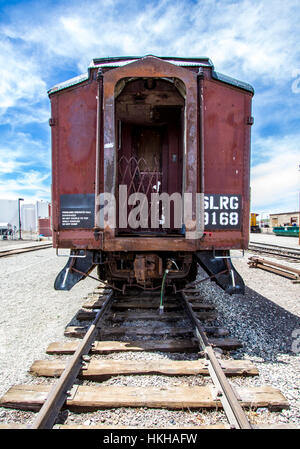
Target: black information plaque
77 211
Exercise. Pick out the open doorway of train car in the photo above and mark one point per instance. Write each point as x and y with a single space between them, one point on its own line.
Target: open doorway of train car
149 125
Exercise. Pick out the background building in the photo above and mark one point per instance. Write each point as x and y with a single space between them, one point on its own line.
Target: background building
30 215
284 219
9 212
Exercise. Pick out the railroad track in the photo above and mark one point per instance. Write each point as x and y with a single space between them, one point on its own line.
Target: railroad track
12 252
120 317
282 251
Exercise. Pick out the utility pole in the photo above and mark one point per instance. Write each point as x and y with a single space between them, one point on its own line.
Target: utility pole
19 210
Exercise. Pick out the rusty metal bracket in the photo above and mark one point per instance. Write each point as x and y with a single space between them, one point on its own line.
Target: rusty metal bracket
95 279
228 257
196 283
99 74
98 234
71 255
71 393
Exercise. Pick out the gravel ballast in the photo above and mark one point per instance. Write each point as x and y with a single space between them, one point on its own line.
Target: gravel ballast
33 315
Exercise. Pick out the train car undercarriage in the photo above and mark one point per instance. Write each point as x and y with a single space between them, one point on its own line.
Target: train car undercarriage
147 270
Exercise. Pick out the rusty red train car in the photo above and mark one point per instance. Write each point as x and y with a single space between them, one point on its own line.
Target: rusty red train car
150 172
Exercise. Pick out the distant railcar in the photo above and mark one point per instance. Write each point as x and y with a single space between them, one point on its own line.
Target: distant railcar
151 161
287 231
254 227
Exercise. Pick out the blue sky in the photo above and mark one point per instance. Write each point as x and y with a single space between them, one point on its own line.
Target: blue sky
46 42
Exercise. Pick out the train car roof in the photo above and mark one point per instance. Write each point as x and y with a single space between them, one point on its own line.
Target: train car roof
124 60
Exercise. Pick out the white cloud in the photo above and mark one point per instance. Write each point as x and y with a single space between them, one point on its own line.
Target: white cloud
248 38
18 150
31 186
29 114
275 182
20 80
251 40
24 168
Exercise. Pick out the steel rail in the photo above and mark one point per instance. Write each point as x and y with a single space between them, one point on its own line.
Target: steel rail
283 251
47 415
273 245
225 393
11 252
280 249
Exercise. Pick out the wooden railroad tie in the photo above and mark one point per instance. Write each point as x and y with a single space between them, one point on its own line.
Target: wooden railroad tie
119 317
106 347
129 315
88 398
169 304
102 369
104 331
